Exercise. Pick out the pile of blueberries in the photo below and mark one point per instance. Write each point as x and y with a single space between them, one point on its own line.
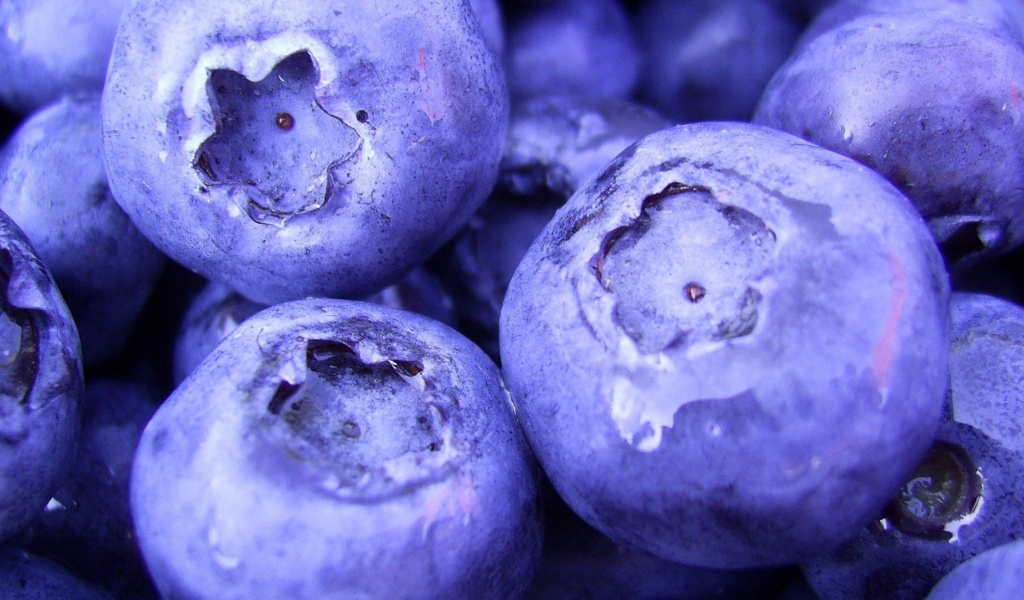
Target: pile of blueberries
547 299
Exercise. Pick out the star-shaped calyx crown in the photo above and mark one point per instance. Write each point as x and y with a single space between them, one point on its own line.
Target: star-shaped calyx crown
274 141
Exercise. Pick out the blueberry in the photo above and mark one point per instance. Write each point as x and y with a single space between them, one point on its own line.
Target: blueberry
929 99
53 183
40 383
554 144
27 577
711 59
996 574
338 448
569 47
730 347
50 48
324 149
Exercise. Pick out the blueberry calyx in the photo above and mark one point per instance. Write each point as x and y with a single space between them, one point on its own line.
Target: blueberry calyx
719 303
274 141
945 489
373 424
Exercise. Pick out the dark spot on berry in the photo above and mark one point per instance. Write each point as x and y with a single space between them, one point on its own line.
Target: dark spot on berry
351 429
695 292
284 121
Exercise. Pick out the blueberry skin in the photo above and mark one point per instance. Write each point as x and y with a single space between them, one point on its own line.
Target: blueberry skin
40 383
569 47
930 100
88 524
710 60
52 48
997 574
27 577
554 144
255 478
53 183
730 347
999 15
321 148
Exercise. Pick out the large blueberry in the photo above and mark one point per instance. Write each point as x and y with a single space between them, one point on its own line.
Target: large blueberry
53 183
931 99
319 148
40 383
332 448
730 347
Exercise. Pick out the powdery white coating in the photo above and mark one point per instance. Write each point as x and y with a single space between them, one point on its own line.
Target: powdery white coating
754 445
233 497
49 48
53 183
39 430
418 101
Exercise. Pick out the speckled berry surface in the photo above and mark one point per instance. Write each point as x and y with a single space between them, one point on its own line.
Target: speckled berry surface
327 442
730 347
